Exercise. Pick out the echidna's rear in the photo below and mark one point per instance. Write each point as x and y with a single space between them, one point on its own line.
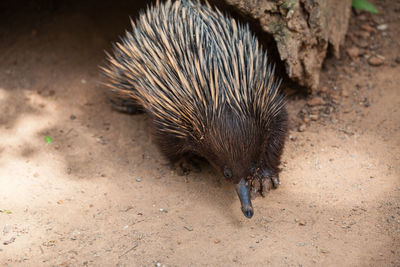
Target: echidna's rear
206 83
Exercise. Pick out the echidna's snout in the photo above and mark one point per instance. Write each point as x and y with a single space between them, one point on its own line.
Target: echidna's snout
244 195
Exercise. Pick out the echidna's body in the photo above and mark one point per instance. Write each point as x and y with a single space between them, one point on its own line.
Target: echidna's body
206 83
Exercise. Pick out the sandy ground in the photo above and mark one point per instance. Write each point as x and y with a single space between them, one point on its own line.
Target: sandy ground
101 194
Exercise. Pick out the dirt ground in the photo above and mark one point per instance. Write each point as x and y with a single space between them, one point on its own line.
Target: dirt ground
100 194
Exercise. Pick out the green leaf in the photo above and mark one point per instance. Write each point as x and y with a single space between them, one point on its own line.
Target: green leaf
6 211
364 5
48 140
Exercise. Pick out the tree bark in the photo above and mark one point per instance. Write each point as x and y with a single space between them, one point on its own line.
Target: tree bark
303 31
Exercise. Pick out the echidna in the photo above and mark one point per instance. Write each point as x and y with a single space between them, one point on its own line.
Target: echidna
209 89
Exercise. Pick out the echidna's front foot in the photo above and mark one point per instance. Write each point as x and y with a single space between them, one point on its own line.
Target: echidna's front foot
263 182
187 164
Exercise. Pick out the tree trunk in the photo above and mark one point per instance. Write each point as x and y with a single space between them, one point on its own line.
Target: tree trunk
303 31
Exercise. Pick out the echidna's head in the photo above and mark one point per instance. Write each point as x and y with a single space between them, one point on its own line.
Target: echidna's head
237 147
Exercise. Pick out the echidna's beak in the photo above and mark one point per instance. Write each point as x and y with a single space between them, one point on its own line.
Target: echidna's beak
244 195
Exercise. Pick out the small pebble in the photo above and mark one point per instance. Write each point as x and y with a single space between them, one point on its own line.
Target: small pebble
316 101
335 96
163 210
302 223
324 89
314 117
363 34
382 27
302 127
72 117
345 93
375 61
362 43
138 179
7 242
366 103
367 28
306 119
83 81
353 52
217 241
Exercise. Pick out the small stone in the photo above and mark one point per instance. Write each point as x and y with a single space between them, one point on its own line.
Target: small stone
302 127
345 93
331 219
335 96
302 223
72 117
324 89
368 28
353 52
382 27
138 179
397 60
164 210
362 43
306 119
366 102
316 101
158 264
363 34
36 175
375 61
83 81
314 117
11 240
217 241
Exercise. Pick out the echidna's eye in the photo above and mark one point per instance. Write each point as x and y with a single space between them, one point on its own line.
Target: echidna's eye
227 173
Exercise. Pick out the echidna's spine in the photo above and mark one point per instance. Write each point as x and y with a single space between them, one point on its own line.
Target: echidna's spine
185 63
